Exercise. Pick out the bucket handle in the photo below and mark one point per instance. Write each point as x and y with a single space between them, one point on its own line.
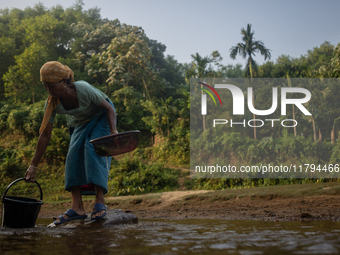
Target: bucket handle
21 179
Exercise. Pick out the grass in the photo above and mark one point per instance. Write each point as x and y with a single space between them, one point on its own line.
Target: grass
262 193
284 191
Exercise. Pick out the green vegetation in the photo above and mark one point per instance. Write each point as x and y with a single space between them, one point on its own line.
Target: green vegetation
132 177
271 192
151 93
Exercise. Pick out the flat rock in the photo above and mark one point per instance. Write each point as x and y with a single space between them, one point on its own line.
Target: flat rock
112 217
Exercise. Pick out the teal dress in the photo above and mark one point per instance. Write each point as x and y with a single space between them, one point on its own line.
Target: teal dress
84 168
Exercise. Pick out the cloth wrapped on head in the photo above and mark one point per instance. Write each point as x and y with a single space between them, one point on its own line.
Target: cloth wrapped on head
53 71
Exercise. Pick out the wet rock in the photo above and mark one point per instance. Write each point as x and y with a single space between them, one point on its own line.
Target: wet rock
306 215
112 217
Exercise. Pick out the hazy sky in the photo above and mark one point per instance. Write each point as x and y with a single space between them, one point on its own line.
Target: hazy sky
289 27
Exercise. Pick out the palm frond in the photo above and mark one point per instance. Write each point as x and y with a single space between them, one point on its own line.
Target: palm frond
249 47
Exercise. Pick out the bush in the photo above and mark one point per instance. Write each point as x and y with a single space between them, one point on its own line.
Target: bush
34 119
17 119
10 165
26 120
4 113
57 149
244 150
131 177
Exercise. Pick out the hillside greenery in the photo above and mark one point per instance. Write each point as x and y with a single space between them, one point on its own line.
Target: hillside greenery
150 92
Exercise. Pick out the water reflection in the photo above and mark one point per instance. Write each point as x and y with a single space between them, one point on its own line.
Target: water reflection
178 237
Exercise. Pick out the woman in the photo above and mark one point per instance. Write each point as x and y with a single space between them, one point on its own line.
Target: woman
90 114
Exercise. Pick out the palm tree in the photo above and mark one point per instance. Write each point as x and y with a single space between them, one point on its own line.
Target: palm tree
248 48
290 85
201 69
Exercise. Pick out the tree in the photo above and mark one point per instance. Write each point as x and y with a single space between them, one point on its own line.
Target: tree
317 57
286 64
316 106
164 114
10 40
200 68
154 121
127 60
266 70
157 49
231 71
50 29
332 68
88 46
167 111
248 48
128 109
39 41
24 76
173 72
290 85
173 75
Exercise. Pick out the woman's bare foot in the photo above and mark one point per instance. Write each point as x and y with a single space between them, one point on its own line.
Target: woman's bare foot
98 214
65 216
99 199
77 203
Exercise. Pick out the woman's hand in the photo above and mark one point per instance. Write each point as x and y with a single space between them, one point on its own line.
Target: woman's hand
113 132
30 173
43 141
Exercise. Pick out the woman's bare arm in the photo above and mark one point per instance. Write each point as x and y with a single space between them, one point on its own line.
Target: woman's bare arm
111 115
43 142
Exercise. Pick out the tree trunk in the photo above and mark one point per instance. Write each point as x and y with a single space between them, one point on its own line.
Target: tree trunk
203 123
253 96
320 136
332 136
290 85
146 88
314 129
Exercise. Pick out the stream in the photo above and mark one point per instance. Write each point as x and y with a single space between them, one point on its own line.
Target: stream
189 236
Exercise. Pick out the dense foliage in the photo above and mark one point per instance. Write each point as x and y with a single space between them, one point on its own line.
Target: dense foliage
150 92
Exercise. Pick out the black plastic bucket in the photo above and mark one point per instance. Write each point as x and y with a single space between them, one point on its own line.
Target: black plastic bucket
20 212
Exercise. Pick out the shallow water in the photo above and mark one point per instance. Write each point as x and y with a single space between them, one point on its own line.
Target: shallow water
189 236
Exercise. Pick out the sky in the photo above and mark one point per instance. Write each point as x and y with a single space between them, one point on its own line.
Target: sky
289 27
